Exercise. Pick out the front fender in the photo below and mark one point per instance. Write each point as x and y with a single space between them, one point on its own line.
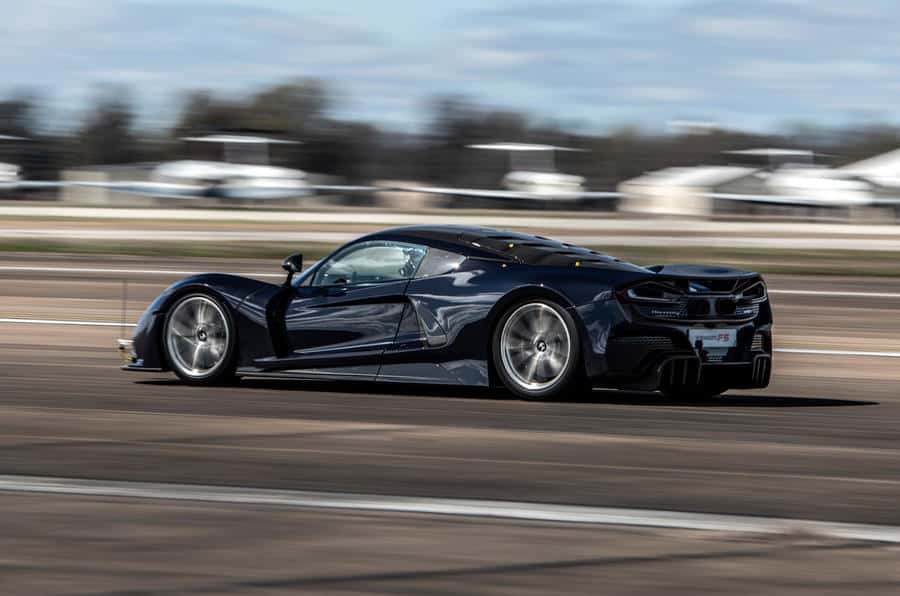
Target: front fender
231 290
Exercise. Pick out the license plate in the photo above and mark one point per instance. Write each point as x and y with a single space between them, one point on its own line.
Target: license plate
713 338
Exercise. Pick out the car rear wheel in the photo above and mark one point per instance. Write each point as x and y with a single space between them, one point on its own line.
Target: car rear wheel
200 340
535 349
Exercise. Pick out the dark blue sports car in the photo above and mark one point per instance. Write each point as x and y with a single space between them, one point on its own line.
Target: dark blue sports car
468 306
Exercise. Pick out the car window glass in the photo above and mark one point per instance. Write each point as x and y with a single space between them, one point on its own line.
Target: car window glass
438 262
371 262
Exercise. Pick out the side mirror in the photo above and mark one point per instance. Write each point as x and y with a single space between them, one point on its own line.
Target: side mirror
292 264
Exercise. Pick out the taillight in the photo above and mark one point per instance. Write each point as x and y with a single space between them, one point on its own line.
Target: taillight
650 292
756 292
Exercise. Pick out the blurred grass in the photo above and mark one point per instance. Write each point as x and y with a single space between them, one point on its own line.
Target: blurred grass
771 260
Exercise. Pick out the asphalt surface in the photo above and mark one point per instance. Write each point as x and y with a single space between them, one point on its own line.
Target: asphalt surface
83 545
820 443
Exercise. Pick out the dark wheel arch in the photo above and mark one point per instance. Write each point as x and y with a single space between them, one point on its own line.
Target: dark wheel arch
163 311
518 295
574 375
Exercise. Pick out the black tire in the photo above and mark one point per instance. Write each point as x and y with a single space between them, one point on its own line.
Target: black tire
561 343
215 360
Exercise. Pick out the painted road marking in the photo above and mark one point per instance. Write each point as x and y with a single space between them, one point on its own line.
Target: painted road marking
835 293
102 270
839 352
539 512
71 323
188 236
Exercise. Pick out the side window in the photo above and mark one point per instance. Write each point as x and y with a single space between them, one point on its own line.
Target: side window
369 262
438 262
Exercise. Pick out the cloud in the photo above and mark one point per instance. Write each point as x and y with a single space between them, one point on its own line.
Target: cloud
751 28
804 74
663 94
604 61
490 58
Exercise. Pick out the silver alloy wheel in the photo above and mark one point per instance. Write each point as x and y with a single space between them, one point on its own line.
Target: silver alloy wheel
197 336
535 346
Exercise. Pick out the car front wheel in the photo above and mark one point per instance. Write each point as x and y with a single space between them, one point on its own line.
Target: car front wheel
535 350
200 340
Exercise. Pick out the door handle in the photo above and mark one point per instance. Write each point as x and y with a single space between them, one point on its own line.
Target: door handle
337 292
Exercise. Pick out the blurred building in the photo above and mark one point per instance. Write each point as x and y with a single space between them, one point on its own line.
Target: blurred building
683 191
74 192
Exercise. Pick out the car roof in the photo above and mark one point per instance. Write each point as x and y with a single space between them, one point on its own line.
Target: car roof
527 249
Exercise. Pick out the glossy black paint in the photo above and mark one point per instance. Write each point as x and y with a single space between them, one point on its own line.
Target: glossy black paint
438 329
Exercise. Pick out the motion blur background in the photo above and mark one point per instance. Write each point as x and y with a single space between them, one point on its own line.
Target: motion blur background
387 97
396 91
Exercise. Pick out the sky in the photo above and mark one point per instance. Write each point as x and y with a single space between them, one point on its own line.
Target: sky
599 64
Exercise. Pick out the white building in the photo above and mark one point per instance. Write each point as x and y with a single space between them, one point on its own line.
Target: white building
683 191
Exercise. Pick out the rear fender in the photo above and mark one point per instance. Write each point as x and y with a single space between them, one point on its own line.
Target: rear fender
521 294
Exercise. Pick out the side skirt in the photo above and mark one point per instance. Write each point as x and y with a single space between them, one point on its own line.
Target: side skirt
309 374
427 375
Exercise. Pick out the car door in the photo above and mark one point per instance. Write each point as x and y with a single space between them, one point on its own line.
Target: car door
348 314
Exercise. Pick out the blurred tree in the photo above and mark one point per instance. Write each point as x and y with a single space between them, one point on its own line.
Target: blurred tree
106 136
296 109
861 143
201 114
300 109
18 115
457 122
18 119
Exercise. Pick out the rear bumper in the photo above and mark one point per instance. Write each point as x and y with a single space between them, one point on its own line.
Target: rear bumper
662 358
692 371
688 370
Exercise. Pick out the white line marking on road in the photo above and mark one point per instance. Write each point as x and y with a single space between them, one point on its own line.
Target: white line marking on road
839 352
836 293
172 272
70 323
543 512
189 236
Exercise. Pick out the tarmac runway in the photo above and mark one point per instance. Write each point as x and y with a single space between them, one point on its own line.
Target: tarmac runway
819 444
337 226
